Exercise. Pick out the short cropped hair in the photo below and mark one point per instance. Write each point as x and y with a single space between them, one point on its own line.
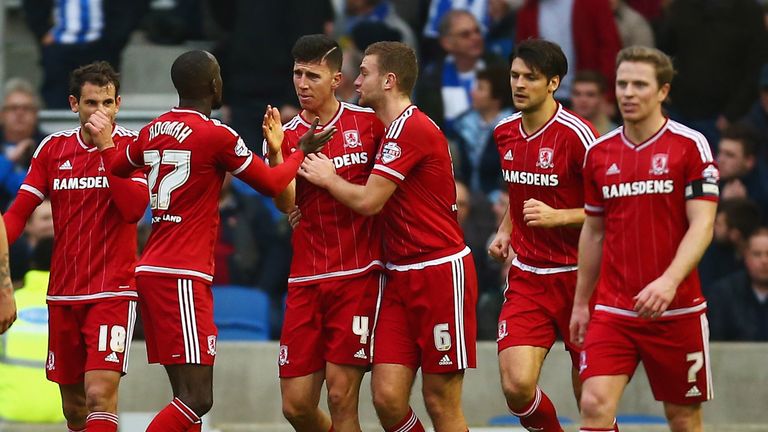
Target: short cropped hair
315 48
592 77
399 59
98 73
745 135
661 62
498 77
21 85
445 25
741 214
542 56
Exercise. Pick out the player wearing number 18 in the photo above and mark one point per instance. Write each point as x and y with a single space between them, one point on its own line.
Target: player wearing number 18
186 155
91 293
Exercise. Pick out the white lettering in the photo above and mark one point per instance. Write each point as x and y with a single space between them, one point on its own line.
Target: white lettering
643 187
528 178
176 129
80 183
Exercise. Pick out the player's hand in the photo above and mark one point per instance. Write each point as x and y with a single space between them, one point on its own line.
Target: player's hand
318 170
99 126
272 129
294 217
539 215
500 247
578 325
7 308
312 142
655 298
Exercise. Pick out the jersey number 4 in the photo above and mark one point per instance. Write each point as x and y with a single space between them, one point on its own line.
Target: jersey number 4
160 194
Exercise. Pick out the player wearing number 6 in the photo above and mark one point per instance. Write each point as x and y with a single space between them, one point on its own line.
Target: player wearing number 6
91 294
186 156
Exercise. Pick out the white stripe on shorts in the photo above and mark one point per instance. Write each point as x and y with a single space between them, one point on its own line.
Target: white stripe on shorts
188 321
705 337
382 283
129 333
457 268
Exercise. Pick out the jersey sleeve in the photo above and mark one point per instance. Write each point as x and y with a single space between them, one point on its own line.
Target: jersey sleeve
396 158
232 154
593 200
36 182
701 173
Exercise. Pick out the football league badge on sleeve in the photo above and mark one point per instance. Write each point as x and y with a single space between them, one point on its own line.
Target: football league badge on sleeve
390 152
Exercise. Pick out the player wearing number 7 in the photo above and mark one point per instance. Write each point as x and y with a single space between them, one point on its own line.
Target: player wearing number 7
186 155
91 294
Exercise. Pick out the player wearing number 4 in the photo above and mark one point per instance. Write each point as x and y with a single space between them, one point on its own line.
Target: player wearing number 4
91 293
186 155
650 198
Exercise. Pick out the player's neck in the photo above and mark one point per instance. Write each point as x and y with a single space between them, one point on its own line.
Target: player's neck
326 112
392 108
203 107
640 131
534 120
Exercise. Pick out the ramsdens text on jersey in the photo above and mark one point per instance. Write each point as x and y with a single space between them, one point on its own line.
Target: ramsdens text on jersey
644 187
529 178
176 129
350 159
99 182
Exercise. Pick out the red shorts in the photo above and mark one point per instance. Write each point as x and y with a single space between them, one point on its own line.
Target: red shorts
427 317
675 353
178 320
90 336
537 308
329 321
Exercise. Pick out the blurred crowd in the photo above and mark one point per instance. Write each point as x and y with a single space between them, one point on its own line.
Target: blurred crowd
720 49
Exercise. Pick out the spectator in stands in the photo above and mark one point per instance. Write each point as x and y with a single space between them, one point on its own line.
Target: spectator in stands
737 306
634 29
491 288
26 396
39 226
757 117
588 100
476 156
742 173
431 50
20 135
72 33
735 221
718 47
501 28
255 57
357 12
584 29
444 87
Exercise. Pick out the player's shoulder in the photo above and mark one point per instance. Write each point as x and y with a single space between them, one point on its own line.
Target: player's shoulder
412 123
122 134
604 142
576 125
690 136
508 121
55 139
357 109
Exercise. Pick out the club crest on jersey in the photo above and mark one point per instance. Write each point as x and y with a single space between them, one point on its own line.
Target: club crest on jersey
212 345
390 152
352 139
282 358
659 164
546 155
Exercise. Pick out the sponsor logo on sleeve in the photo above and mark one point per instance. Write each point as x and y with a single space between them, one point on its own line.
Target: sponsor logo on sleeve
390 152
711 174
241 149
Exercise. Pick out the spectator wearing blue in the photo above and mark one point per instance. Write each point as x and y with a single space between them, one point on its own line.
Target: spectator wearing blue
757 117
357 12
72 33
501 28
737 305
477 157
431 50
444 88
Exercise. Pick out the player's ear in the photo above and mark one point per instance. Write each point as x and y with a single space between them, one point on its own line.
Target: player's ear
73 104
336 80
554 83
118 101
389 81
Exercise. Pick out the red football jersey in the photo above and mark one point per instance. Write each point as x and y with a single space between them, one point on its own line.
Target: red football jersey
332 241
94 248
547 166
640 191
187 155
420 218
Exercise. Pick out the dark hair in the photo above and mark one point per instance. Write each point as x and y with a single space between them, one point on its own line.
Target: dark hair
98 73
741 214
192 73
399 59
542 56
760 230
592 77
743 134
315 48
41 254
498 77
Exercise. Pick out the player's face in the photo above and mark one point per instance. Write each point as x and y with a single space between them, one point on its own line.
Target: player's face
482 99
586 99
530 88
95 98
731 159
370 83
19 113
315 84
465 38
756 259
637 91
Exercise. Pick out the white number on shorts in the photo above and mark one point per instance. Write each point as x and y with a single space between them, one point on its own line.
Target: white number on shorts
698 361
116 338
160 199
442 337
360 328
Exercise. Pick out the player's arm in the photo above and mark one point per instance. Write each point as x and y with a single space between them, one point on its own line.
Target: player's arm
131 195
654 299
367 199
7 301
274 137
590 256
500 246
119 163
539 214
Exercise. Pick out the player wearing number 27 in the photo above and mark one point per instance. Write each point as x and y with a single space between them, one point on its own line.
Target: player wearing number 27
186 155
650 197
91 294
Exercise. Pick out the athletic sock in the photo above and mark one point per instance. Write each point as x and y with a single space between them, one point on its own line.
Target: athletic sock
409 423
175 417
101 422
539 414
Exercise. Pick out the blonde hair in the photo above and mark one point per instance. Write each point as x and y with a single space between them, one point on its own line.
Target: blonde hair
661 62
399 59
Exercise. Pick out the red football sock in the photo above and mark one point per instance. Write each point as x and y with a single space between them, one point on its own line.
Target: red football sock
101 422
409 423
539 414
175 417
